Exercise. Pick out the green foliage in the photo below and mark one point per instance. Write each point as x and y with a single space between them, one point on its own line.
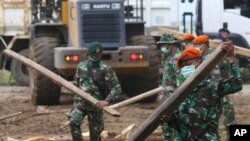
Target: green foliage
6 78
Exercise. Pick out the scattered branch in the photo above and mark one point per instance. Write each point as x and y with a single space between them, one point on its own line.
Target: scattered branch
10 116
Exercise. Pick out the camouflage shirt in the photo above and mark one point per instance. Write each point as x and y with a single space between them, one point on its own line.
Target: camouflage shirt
92 80
198 115
221 71
169 74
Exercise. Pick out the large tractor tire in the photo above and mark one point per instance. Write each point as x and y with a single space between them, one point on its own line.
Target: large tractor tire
20 71
44 91
149 78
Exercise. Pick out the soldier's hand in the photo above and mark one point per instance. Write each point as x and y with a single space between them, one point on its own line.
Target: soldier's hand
229 47
165 118
102 103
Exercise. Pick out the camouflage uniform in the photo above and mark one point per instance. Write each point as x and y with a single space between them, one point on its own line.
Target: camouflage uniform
169 75
227 108
101 82
197 117
168 83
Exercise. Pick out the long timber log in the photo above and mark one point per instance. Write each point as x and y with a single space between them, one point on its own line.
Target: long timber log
58 78
178 96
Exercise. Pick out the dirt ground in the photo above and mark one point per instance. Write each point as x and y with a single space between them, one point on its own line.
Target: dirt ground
49 121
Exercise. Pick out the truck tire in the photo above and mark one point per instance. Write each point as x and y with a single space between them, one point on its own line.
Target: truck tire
44 91
20 71
149 78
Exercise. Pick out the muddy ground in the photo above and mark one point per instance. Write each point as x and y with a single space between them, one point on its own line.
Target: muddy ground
50 121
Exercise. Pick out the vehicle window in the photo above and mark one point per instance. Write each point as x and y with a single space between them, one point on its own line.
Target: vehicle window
241 7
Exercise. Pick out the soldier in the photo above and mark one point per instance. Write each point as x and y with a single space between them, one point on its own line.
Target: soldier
220 71
187 40
34 10
163 43
224 34
197 117
169 47
227 104
50 4
99 80
173 52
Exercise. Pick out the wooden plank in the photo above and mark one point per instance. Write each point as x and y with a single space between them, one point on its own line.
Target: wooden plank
178 96
137 98
58 78
213 43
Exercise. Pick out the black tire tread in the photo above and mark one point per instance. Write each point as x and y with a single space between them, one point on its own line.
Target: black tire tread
149 78
43 90
20 77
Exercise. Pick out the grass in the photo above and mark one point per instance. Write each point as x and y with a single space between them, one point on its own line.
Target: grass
6 78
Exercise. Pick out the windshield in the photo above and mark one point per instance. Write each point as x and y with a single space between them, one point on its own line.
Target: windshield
240 7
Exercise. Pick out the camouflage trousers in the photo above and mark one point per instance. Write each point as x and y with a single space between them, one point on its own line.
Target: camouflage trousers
168 132
95 119
188 133
228 113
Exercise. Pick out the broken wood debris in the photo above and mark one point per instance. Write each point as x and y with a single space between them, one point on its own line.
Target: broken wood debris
10 116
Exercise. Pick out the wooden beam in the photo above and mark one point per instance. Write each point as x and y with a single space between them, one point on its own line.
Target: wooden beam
213 43
58 78
178 96
137 98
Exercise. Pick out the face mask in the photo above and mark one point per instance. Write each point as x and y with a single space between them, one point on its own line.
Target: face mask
187 70
94 62
94 59
165 50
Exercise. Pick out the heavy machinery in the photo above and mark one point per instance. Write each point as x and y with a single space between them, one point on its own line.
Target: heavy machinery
60 44
14 35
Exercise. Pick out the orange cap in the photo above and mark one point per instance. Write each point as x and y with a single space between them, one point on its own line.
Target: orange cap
200 39
188 54
187 36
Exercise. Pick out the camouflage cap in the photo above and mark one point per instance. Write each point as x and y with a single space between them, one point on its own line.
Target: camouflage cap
167 38
95 48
